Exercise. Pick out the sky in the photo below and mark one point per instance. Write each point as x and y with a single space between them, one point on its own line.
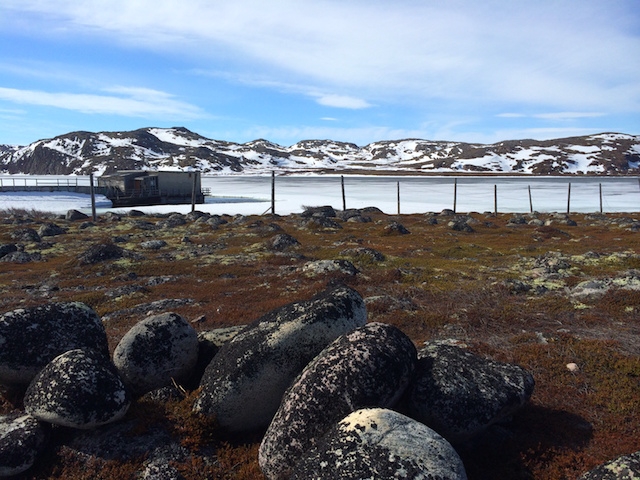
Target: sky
347 70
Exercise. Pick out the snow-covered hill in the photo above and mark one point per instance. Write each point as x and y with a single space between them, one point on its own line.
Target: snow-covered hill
181 149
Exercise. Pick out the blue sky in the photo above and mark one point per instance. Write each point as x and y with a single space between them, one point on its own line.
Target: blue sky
348 70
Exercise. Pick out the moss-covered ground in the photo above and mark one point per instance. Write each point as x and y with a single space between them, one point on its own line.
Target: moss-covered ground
505 290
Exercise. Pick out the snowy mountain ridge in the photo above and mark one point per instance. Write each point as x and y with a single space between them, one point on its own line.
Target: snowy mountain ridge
80 153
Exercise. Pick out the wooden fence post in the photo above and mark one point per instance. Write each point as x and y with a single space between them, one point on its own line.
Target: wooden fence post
495 199
600 189
569 198
530 201
193 191
455 193
398 188
273 192
93 197
344 199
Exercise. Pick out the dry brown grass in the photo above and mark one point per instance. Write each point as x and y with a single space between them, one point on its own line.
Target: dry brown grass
435 283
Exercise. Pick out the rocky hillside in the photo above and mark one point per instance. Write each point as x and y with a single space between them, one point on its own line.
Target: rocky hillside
179 148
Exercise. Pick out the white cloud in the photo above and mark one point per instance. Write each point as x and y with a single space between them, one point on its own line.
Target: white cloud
566 55
567 115
133 102
342 101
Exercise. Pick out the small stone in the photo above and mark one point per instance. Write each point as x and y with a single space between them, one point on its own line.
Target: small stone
572 367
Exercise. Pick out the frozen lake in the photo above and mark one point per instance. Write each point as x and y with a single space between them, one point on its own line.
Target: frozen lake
252 194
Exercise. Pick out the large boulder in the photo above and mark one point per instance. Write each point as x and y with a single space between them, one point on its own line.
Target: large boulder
369 367
73 215
380 443
626 467
51 230
79 389
32 337
156 350
22 439
99 253
460 394
244 383
209 343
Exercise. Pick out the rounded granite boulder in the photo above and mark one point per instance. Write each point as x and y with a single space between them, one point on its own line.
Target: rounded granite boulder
369 367
79 389
380 443
156 350
460 394
22 439
625 467
31 337
244 383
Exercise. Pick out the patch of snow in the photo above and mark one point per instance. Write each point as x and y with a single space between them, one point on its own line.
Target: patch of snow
584 148
612 136
115 142
581 162
170 135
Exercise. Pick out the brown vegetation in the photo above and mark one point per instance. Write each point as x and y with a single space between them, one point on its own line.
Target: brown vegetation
435 283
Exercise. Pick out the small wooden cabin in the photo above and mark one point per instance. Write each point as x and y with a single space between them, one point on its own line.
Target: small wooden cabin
142 187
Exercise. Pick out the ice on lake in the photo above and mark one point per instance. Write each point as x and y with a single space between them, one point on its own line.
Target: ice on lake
250 195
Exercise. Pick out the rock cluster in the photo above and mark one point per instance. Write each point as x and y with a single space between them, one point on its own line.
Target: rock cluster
335 396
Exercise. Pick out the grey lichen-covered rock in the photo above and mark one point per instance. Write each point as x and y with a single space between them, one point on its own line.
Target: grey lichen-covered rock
209 343
153 244
51 230
323 211
320 267
459 394
369 367
73 215
282 242
380 443
395 228
244 383
626 467
155 351
22 439
7 248
100 253
32 337
364 254
21 257
26 235
79 389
